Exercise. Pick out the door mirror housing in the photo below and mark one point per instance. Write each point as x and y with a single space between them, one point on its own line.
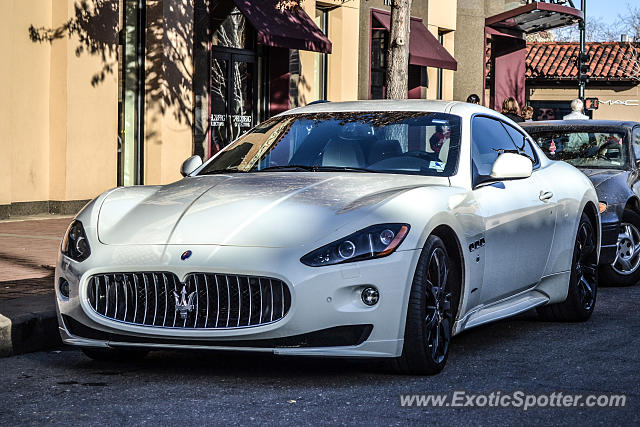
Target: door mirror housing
190 165
511 166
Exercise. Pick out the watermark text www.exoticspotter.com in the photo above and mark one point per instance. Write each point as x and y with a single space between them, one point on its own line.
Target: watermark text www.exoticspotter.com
516 399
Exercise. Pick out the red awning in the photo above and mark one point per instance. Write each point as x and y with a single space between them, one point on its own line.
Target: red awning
291 29
424 49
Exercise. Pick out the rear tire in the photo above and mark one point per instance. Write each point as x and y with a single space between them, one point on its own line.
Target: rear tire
431 311
625 269
583 282
114 354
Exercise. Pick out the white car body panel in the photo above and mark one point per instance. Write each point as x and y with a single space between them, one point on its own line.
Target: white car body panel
265 222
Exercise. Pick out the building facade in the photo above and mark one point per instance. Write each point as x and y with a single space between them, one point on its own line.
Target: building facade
104 93
614 78
101 93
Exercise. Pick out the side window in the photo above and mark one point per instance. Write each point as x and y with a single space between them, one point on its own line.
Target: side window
489 137
521 143
636 143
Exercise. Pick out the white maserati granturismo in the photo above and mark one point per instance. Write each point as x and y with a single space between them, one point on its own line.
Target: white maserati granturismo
362 229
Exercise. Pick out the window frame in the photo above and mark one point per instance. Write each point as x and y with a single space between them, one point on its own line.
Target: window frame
372 68
474 180
635 133
526 138
267 125
625 131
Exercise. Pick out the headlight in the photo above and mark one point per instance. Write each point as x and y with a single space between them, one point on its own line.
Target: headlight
75 244
372 242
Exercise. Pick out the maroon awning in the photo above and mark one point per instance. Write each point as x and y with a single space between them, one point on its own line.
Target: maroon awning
424 49
291 29
535 17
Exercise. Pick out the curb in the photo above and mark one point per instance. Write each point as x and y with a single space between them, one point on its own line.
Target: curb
28 324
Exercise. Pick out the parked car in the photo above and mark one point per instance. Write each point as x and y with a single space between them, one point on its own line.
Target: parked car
608 152
362 229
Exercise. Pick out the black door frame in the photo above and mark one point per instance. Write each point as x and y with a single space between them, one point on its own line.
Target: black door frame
232 55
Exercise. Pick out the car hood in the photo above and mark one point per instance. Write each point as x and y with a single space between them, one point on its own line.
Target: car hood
598 176
274 209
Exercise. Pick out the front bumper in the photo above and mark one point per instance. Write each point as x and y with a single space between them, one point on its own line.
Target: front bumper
327 316
610 229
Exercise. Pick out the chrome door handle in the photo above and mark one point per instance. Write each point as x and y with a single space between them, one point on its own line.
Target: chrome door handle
545 196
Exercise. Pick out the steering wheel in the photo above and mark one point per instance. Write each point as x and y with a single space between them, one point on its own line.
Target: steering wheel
607 145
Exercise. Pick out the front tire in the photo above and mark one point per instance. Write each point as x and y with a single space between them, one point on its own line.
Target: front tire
583 282
625 269
430 313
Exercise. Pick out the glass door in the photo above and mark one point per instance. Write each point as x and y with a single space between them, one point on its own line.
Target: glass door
234 82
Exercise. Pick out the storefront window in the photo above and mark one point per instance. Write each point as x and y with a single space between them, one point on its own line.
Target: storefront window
234 32
321 63
234 87
440 75
379 40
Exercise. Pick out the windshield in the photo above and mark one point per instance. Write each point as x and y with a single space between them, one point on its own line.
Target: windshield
389 142
606 150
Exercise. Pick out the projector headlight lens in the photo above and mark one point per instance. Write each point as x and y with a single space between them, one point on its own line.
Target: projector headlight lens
372 242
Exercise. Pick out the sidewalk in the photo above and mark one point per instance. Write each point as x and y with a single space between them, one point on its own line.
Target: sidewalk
28 251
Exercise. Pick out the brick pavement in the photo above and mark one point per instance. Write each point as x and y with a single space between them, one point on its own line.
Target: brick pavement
28 251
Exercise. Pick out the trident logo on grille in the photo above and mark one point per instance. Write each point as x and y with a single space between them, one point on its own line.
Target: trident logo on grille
184 302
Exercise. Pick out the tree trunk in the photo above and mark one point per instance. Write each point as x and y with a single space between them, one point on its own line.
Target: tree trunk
398 51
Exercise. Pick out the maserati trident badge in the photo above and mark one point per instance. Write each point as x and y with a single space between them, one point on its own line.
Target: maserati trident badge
184 302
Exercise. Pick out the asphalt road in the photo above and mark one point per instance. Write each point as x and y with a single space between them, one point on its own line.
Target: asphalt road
524 354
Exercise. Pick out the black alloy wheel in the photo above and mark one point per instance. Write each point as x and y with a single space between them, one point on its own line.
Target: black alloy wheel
586 268
438 320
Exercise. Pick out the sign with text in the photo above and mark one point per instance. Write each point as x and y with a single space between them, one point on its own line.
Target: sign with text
242 121
217 120
591 103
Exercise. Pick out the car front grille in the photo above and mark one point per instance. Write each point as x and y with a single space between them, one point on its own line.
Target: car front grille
203 301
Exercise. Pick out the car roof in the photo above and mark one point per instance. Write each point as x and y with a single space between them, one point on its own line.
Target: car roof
576 124
390 105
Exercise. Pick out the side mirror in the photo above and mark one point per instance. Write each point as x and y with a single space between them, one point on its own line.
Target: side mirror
191 164
511 166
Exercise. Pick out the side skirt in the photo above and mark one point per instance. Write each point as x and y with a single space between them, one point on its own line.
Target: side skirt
550 290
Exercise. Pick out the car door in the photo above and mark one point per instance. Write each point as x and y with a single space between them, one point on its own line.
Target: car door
518 214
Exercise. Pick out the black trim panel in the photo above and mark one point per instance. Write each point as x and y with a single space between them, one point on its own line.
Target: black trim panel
337 336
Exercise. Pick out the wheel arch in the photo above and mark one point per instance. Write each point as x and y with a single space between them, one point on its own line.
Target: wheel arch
593 213
454 250
633 203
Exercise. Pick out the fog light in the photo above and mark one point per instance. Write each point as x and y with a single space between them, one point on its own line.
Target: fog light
370 296
63 287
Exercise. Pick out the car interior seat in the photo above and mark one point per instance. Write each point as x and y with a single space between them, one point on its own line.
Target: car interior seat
384 149
343 152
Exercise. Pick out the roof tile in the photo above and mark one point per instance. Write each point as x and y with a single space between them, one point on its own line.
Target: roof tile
557 60
609 60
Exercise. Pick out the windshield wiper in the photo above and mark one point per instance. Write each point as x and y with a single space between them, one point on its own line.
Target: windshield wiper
342 168
222 172
287 168
304 168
